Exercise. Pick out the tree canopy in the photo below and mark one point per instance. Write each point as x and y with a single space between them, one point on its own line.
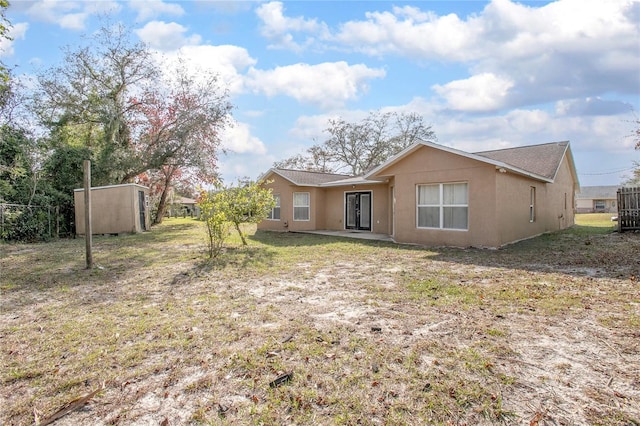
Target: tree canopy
634 179
5 75
112 102
358 147
223 207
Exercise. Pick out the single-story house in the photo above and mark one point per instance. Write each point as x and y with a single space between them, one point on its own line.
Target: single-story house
183 206
597 199
430 194
115 209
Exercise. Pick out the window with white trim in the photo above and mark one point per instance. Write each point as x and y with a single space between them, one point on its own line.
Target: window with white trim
532 204
274 214
301 202
443 206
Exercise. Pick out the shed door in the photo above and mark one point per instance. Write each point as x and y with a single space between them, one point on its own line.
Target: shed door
141 208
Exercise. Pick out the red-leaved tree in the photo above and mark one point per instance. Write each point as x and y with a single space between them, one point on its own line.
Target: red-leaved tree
178 131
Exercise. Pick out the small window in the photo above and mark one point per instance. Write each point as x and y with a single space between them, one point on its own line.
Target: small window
599 204
443 206
274 214
532 204
301 202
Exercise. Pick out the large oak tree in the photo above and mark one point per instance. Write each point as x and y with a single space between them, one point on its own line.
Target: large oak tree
357 147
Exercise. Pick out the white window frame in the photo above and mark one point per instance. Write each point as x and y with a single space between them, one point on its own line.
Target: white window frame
272 213
599 204
441 205
308 207
532 204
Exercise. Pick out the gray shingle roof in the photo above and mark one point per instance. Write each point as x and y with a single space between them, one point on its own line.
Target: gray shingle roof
598 192
537 161
305 178
542 160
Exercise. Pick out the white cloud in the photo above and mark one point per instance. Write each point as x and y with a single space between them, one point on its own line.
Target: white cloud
279 28
411 33
310 128
482 92
151 9
327 85
227 61
17 31
73 21
541 53
591 106
70 15
102 7
533 126
237 138
166 36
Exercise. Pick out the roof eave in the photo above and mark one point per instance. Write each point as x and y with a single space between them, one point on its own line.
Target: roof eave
572 166
355 182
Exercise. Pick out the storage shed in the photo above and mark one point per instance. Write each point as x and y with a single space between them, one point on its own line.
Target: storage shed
115 209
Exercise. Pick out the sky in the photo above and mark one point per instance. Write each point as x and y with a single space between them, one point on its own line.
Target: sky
484 75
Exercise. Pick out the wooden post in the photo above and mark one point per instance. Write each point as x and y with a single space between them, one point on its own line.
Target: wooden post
87 212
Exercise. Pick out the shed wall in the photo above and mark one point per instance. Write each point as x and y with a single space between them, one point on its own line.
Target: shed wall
114 209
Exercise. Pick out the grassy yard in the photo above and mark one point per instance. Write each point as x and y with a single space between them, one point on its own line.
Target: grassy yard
543 332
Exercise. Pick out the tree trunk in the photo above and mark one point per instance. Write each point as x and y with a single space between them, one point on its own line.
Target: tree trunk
162 205
244 241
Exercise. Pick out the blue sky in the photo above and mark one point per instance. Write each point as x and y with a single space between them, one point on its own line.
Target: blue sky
485 75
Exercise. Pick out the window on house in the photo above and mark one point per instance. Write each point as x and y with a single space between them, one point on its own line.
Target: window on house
532 204
301 205
443 206
599 204
274 214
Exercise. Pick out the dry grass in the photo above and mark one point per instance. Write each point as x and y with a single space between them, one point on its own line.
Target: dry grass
542 332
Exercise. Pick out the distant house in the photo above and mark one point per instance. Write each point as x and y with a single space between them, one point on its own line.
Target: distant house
597 199
182 207
430 194
115 209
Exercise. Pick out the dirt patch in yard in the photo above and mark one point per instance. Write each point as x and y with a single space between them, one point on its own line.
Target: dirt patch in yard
544 332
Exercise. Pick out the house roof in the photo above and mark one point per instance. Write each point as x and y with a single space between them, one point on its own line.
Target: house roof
183 200
306 178
598 192
543 160
522 160
540 162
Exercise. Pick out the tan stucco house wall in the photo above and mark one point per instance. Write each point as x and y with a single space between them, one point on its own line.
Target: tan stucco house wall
552 210
432 166
505 202
115 209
